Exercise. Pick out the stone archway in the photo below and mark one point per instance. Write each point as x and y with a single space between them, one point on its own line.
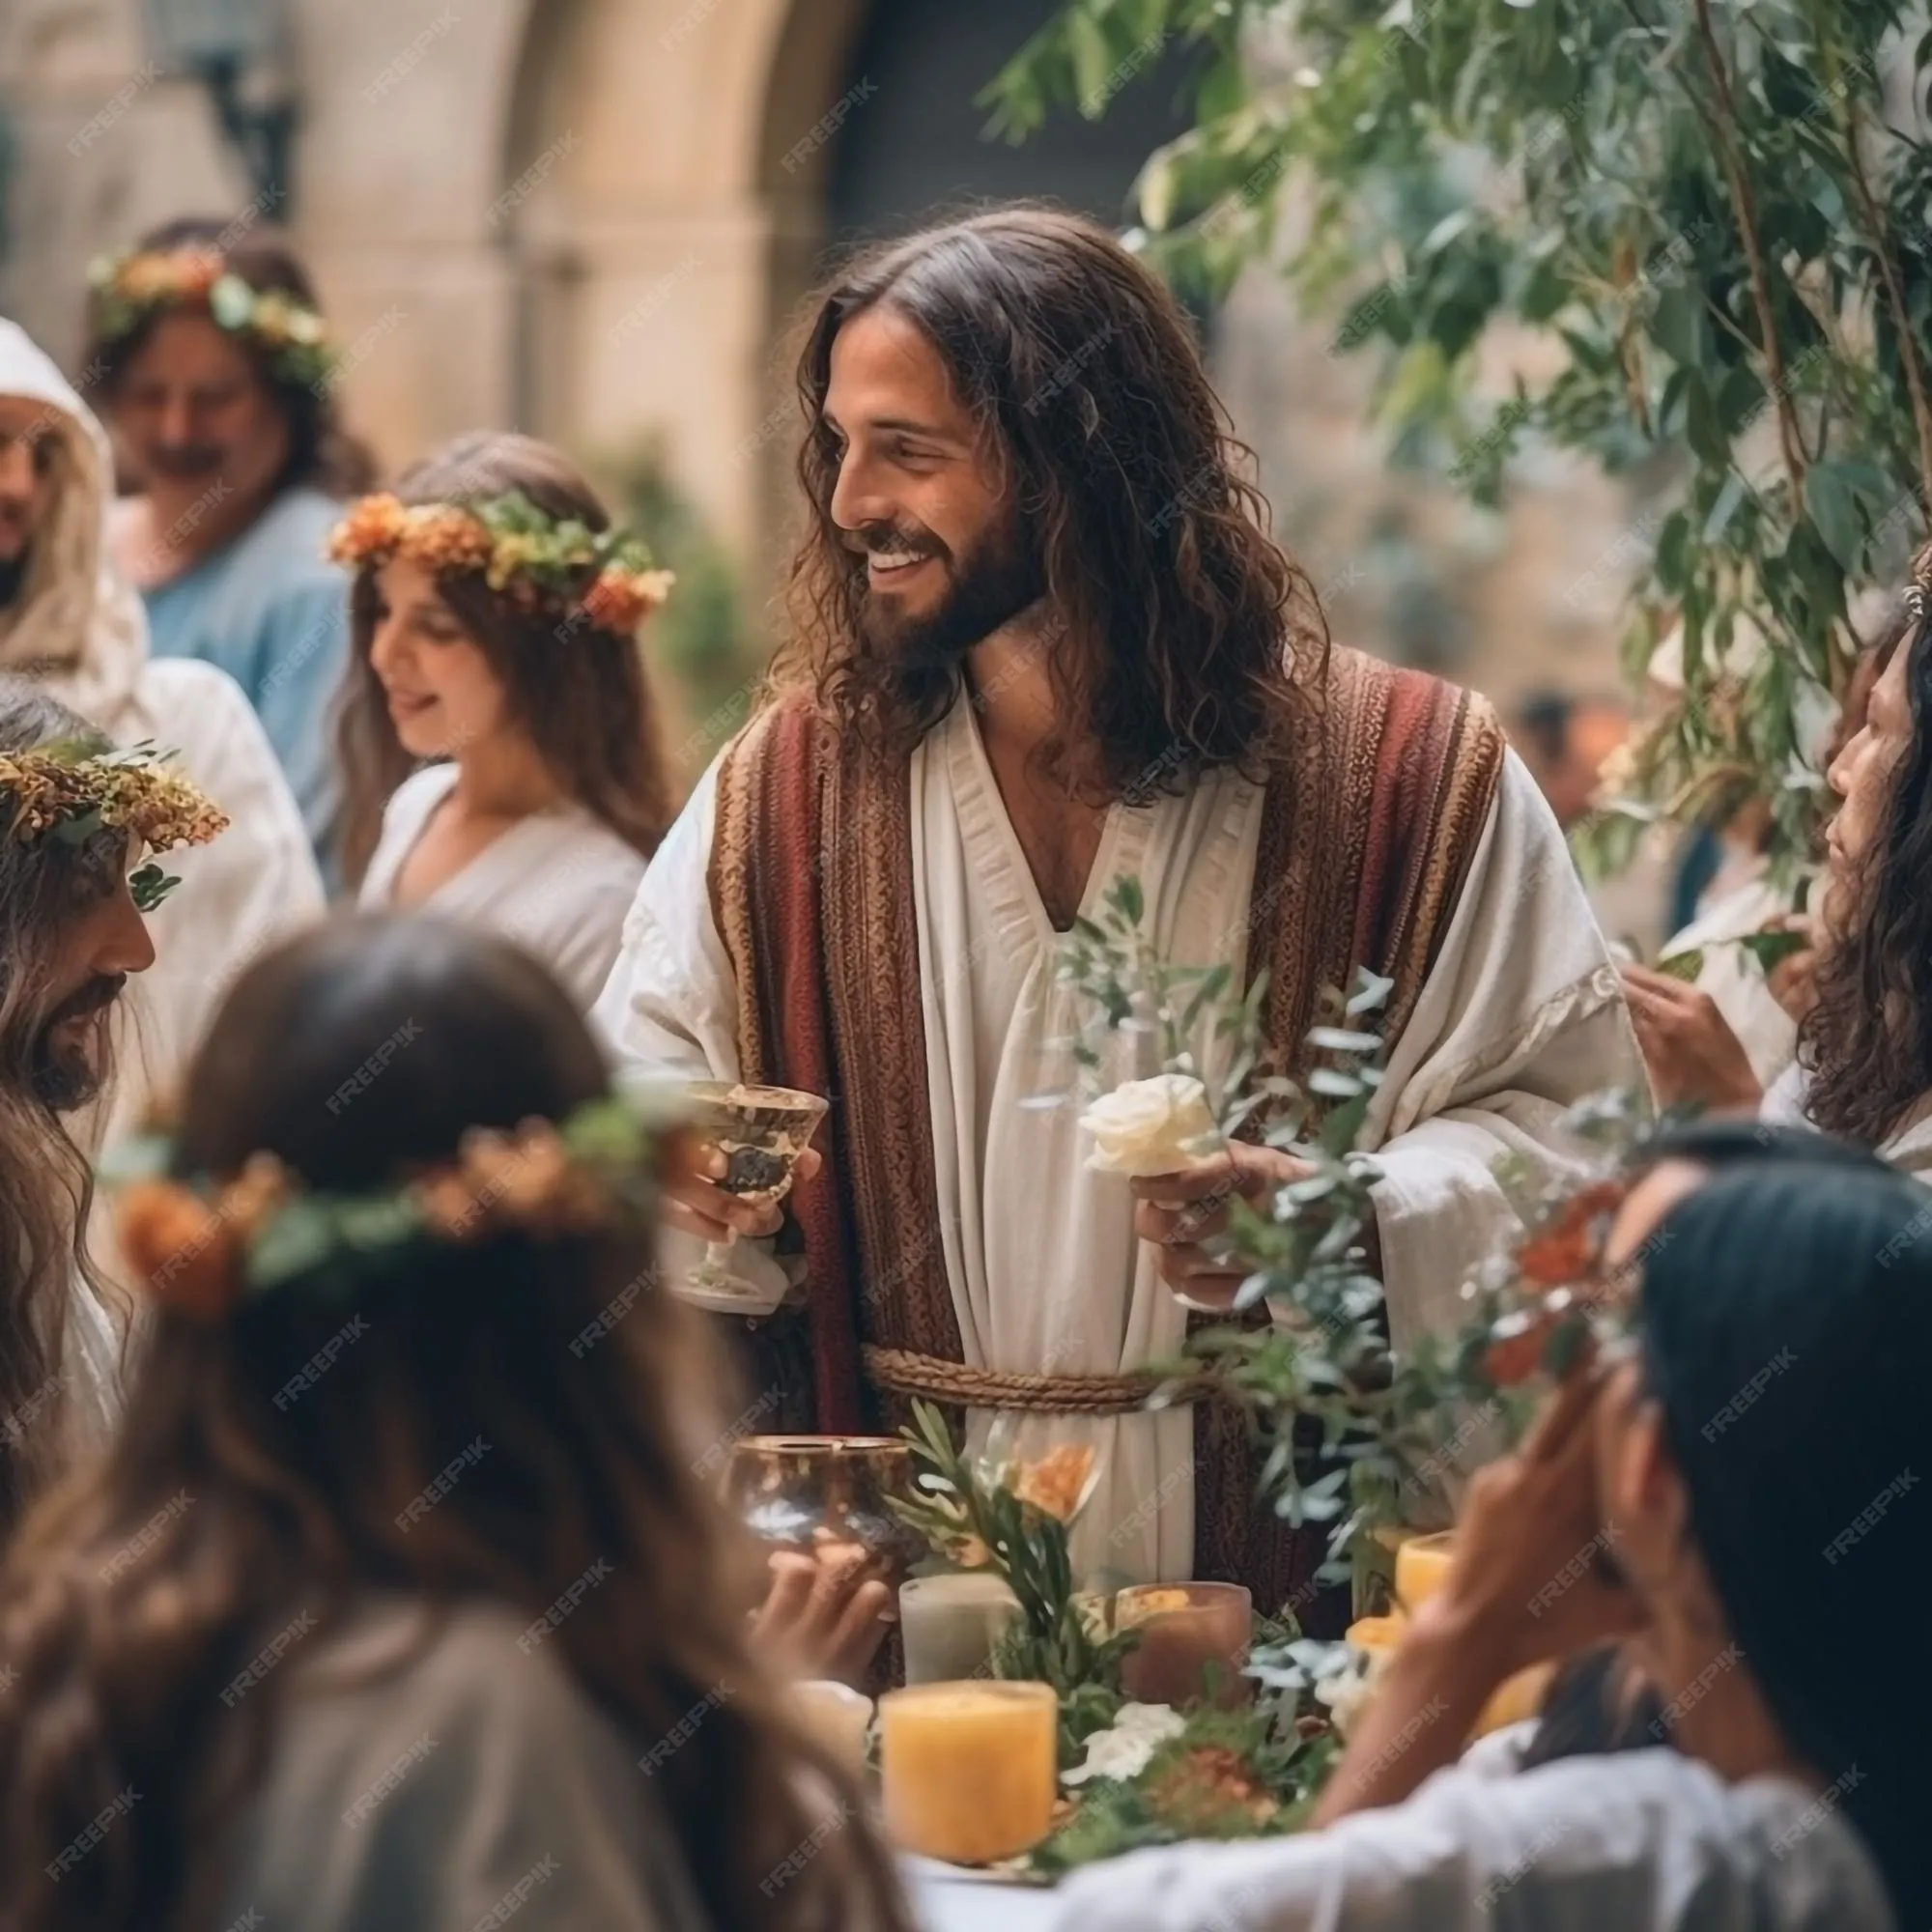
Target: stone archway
596 254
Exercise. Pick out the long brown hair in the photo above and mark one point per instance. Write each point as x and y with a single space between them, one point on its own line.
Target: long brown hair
124 1610
1185 639
322 453
45 1182
1866 1043
580 691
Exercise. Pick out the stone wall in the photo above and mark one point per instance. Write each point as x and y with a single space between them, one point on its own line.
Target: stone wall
591 219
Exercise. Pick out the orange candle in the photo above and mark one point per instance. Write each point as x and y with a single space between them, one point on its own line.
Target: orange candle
1421 1569
968 1771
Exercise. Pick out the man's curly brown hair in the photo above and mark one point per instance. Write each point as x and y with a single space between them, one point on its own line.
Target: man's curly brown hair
1181 637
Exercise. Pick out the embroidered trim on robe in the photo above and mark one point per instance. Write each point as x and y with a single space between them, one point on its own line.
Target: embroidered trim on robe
1365 843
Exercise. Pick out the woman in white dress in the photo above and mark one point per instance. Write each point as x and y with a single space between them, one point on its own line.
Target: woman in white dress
494 634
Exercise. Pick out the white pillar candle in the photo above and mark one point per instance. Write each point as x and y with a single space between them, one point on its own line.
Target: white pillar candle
951 1625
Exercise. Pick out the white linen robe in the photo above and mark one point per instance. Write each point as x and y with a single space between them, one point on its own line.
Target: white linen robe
558 882
1520 1017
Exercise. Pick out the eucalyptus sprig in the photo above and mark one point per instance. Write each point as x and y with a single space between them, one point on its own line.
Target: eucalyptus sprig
972 1512
1390 1425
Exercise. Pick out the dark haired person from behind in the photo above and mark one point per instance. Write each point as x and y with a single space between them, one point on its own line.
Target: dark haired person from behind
400 1600
217 377
1743 1477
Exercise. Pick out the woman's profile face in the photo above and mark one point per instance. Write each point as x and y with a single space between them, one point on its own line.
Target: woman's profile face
1862 775
442 692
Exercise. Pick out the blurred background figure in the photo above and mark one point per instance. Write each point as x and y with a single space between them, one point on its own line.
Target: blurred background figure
1564 740
218 379
1567 741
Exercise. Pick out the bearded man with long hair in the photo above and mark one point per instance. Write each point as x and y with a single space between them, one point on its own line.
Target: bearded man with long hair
72 931
1040 640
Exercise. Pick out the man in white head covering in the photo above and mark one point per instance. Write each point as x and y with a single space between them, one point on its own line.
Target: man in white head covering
66 620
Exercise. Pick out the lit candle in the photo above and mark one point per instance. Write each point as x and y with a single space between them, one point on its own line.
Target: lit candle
837 1715
1422 1568
951 1625
966 1771
1422 1565
1193 1642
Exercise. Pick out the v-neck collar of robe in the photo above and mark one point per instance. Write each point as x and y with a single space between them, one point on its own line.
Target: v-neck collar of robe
976 793
472 868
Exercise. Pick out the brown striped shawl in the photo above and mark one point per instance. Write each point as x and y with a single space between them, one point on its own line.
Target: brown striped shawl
1363 851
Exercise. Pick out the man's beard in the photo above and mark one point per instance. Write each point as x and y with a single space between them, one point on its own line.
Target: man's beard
990 585
65 1074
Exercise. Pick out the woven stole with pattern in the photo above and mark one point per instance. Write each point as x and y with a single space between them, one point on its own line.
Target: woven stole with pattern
1363 846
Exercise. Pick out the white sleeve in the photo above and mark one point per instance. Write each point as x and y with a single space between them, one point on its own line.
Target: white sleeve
670 1008
1638 1842
1522 1016
670 1005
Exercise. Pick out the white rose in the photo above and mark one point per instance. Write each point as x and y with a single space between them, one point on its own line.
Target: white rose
1151 1126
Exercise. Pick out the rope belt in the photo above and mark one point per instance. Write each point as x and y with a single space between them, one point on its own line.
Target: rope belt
904 1372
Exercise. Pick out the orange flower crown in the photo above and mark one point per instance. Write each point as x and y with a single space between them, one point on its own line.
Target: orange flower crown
603 577
202 1250
128 287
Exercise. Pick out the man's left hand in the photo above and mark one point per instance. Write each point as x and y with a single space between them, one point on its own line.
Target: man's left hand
1185 1215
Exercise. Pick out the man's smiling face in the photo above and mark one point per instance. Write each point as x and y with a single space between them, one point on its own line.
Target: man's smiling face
921 494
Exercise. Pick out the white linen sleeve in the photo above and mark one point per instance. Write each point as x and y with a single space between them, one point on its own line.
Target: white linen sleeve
1522 1016
1642 1842
669 1009
670 1006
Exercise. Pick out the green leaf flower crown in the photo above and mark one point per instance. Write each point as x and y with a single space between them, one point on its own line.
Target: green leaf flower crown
133 285
202 1247
521 551
66 792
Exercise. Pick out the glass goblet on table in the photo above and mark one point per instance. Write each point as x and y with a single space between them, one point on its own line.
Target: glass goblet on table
761 1131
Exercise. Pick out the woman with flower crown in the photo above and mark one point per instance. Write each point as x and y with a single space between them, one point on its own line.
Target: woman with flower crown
494 624
401 1600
